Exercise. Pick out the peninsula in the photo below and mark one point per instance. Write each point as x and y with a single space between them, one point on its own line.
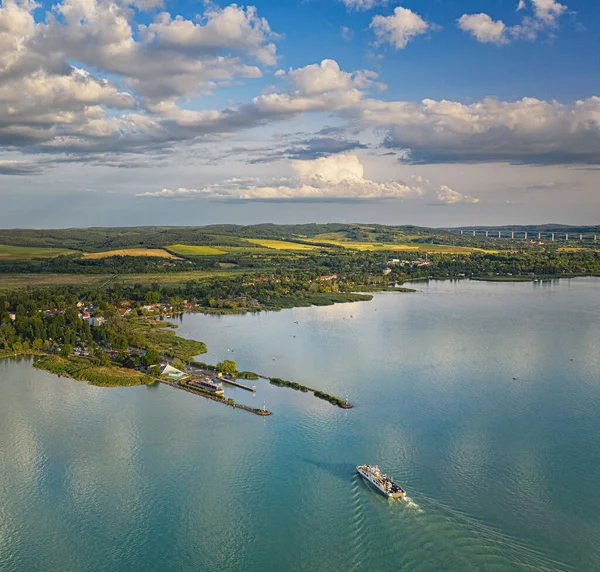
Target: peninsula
94 304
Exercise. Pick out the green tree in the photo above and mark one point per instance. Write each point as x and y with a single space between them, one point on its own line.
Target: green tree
227 366
66 350
152 357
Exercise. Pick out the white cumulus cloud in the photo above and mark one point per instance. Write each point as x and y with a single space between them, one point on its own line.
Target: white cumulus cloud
337 177
483 28
525 131
399 28
449 196
543 17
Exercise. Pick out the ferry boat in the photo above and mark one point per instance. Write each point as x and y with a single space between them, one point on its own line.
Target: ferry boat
382 483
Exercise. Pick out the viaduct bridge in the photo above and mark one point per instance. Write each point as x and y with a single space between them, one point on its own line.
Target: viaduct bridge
545 236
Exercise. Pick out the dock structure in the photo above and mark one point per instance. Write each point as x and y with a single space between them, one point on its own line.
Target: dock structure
235 382
211 374
212 397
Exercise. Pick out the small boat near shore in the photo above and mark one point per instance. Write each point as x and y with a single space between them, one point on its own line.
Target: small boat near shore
380 482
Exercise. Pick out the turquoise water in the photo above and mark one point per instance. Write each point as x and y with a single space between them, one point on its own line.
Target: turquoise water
481 399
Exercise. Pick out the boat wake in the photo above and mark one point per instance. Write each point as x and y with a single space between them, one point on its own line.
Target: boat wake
430 535
410 503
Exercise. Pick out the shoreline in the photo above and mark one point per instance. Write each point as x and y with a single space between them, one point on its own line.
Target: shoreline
505 278
119 371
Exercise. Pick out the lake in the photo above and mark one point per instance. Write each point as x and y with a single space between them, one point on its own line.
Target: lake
482 400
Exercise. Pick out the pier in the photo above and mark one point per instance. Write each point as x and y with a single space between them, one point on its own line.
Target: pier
261 412
238 384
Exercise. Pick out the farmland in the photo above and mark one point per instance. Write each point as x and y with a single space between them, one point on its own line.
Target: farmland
158 252
193 250
414 247
9 281
30 252
281 244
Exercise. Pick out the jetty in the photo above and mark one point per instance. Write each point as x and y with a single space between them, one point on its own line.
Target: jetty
261 412
232 381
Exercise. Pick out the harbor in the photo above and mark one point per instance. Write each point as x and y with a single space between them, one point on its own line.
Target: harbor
264 412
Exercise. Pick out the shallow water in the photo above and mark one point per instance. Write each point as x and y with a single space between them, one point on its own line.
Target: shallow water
481 399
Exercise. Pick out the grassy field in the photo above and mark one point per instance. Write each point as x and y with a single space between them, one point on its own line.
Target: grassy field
381 246
158 252
281 244
576 249
83 369
9 281
191 250
29 252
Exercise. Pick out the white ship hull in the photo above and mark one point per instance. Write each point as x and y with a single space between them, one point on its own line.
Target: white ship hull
382 484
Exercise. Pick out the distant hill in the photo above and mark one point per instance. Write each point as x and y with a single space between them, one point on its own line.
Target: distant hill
98 239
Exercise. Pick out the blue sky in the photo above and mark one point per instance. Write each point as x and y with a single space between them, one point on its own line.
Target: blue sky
417 112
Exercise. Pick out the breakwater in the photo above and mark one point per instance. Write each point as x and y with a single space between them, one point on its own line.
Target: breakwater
344 404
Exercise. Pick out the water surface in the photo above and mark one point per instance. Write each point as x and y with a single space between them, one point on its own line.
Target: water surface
481 399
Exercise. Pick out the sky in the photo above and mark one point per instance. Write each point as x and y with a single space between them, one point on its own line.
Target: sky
427 112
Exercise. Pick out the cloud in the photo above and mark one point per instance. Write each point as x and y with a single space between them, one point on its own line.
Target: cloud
548 11
148 5
347 33
399 28
168 57
449 196
540 186
108 86
306 148
71 110
314 88
333 178
360 5
232 28
483 28
20 168
544 17
526 131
